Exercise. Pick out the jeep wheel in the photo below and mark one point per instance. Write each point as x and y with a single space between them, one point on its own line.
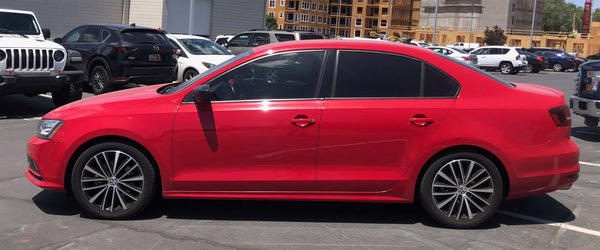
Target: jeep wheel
506 68
67 94
100 81
529 69
189 74
591 121
557 67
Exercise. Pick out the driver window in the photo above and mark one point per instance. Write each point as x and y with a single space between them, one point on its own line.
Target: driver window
293 75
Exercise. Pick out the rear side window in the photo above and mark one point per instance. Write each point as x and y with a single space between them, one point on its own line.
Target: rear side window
144 36
91 35
284 37
310 36
380 75
260 39
240 41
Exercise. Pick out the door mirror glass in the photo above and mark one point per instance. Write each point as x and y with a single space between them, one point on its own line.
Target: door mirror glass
46 33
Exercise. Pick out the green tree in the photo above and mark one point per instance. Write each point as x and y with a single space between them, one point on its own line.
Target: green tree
494 36
596 15
271 22
558 16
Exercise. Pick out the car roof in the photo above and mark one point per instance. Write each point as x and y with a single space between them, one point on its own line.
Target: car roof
182 36
370 45
119 27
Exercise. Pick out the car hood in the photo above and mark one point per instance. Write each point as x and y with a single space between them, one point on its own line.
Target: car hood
22 42
109 104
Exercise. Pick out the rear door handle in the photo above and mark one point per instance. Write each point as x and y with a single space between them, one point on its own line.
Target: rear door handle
420 120
303 121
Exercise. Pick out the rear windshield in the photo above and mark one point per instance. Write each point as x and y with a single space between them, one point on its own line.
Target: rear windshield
310 36
144 36
17 23
284 37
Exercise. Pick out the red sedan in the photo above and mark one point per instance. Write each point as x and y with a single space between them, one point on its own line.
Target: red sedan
363 121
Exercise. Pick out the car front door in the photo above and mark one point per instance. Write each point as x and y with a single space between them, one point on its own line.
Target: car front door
383 110
260 133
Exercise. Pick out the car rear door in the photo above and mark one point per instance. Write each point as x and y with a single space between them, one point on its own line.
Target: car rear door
239 43
261 134
383 110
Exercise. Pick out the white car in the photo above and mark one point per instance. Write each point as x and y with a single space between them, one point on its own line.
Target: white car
506 59
197 54
420 43
456 53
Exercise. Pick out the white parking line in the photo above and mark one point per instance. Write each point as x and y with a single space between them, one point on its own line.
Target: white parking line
589 164
551 223
46 95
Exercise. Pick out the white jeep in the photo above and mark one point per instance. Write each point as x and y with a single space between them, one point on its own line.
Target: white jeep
30 65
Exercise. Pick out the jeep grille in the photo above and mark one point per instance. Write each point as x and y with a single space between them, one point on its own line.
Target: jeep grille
29 59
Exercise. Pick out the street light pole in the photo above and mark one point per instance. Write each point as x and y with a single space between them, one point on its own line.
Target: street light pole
471 27
532 24
437 2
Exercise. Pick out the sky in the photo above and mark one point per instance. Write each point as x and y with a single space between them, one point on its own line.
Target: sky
580 2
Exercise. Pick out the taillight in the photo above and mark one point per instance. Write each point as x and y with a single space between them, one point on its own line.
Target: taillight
518 57
570 59
467 58
540 59
125 49
561 116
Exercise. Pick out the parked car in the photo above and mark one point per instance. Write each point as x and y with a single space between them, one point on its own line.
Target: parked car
535 63
465 46
246 40
506 59
593 57
558 60
586 100
115 54
197 54
578 61
280 122
222 39
455 53
420 43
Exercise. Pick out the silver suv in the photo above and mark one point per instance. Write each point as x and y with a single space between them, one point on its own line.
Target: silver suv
249 39
509 60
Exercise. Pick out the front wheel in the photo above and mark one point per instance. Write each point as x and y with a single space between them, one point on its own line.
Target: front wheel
506 68
461 190
113 181
67 94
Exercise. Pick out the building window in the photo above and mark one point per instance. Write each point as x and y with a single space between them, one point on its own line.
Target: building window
357 33
359 10
320 7
384 11
358 22
281 25
281 3
318 30
320 19
271 3
272 14
291 5
292 17
383 23
325 8
314 6
280 14
304 18
305 5
304 28
313 19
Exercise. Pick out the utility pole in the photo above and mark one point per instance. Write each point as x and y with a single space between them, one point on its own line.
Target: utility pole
191 21
471 27
532 24
437 2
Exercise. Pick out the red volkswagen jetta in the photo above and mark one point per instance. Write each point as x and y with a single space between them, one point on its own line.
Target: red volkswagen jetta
314 120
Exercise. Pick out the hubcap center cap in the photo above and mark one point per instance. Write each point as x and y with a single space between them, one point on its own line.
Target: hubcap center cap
462 190
112 181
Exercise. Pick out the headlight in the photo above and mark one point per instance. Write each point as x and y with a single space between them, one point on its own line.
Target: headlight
2 55
208 65
46 129
59 55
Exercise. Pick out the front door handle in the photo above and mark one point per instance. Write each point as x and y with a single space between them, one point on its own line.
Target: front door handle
303 121
421 120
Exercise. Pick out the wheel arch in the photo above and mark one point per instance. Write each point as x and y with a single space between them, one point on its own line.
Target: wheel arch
97 61
117 139
464 148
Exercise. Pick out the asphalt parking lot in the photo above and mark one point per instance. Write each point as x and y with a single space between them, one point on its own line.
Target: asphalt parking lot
31 218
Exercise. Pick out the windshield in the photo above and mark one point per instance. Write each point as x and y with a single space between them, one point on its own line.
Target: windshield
188 83
17 23
203 47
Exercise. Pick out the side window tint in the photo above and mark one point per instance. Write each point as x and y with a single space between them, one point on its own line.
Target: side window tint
285 37
105 34
365 74
438 84
282 76
260 39
240 41
505 51
73 37
91 35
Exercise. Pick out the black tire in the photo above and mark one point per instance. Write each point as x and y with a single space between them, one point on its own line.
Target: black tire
529 69
113 180
482 192
67 94
99 80
591 121
536 70
506 68
189 74
557 67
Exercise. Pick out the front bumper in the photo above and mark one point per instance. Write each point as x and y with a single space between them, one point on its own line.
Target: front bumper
32 83
46 165
584 106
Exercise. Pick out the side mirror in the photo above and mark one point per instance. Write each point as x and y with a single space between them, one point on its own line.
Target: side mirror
225 44
46 33
203 95
58 40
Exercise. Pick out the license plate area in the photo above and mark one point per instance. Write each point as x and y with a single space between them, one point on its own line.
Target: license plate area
154 58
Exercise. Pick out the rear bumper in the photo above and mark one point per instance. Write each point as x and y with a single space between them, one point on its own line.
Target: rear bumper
543 168
584 107
147 75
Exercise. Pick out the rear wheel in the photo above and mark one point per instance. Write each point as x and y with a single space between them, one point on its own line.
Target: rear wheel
461 190
557 67
506 68
113 181
189 74
529 69
100 81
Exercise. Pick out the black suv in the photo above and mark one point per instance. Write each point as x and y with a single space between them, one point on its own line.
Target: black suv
118 54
